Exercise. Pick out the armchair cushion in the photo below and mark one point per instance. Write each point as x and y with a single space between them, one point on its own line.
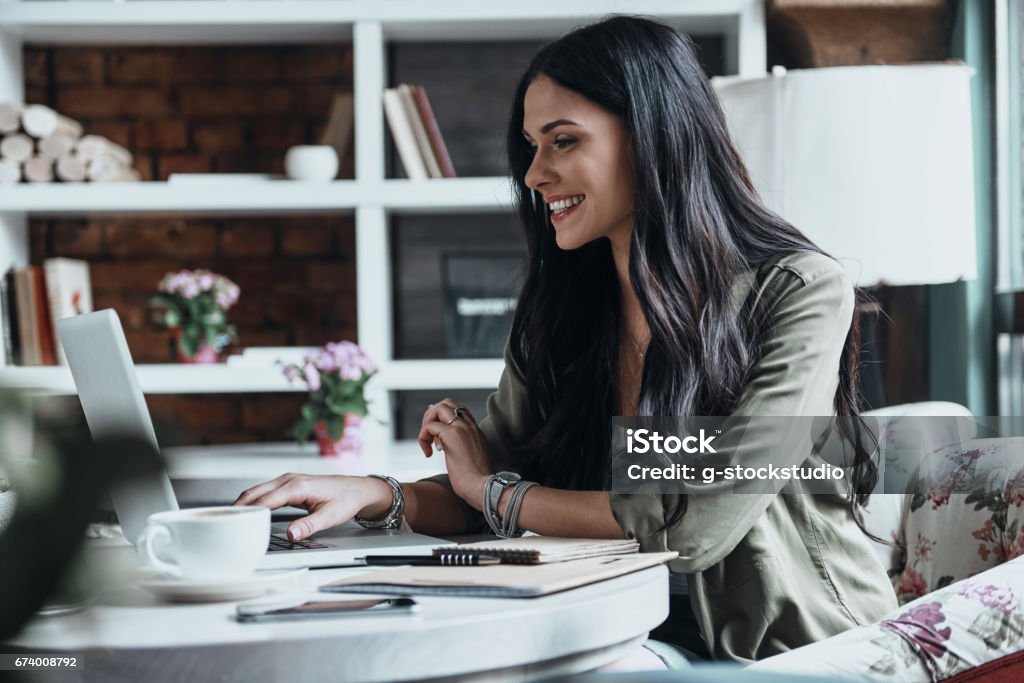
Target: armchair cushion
964 514
948 632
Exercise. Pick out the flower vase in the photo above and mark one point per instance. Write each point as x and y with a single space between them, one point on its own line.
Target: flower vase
204 355
350 443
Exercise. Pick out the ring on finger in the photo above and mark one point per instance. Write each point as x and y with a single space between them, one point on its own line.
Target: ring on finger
449 422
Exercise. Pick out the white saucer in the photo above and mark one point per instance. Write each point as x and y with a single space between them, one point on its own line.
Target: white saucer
260 583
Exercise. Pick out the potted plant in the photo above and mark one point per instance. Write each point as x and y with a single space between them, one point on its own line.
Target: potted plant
336 376
193 303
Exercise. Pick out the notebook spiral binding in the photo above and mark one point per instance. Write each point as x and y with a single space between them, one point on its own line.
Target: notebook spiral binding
506 555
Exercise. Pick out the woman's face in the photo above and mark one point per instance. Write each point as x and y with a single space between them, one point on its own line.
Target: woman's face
581 165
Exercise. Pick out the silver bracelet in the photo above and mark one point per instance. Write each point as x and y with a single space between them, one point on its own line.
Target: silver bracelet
392 520
510 528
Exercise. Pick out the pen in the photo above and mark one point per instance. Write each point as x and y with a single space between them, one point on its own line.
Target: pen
446 560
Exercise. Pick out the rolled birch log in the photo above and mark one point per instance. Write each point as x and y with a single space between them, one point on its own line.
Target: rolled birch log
10 172
70 168
107 169
94 146
40 121
10 117
17 147
39 170
57 145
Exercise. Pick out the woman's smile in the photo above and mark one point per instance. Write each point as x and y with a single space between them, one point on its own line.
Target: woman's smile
561 209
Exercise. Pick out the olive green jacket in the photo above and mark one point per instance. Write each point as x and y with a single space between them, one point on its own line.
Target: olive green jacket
766 573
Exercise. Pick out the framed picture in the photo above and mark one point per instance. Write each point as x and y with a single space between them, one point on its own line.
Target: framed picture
479 291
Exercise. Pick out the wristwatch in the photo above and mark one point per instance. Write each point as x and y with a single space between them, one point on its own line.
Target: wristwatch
496 483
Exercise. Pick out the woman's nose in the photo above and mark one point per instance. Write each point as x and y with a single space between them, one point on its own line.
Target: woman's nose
539 173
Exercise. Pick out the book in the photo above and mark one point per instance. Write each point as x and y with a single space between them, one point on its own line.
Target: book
28 330
426 113
8 320
40 300
418 130
499 580
338 131
68 291
542 549
401 132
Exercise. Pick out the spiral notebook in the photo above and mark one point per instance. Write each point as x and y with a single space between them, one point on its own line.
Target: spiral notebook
498 580
542 549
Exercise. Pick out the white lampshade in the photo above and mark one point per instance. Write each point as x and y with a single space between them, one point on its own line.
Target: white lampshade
873 163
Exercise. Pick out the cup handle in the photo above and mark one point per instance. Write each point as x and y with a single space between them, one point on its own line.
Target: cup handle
148 540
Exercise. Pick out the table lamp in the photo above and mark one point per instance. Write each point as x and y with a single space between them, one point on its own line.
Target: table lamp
872 163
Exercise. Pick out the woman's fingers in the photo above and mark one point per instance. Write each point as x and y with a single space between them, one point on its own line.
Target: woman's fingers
322 518
250 494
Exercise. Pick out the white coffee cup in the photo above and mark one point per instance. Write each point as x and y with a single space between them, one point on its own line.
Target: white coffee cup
311 162
210 543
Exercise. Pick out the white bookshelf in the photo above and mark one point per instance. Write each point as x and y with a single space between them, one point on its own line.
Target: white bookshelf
370 25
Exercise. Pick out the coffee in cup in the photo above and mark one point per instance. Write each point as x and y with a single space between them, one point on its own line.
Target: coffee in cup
210 544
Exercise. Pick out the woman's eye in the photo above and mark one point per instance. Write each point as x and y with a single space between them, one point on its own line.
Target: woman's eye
562 143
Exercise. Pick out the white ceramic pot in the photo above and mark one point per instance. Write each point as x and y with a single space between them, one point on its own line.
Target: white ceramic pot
312 163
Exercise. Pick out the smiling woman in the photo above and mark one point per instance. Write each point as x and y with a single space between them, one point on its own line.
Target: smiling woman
658 284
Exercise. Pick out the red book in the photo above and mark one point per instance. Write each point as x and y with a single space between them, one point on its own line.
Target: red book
41 304
426 113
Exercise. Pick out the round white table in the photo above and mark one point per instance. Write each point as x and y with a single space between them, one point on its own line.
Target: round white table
128 635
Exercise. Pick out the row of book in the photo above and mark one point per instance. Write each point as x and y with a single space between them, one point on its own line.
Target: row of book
416 133
32 299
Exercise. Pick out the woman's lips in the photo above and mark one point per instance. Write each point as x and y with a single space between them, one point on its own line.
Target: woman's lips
560 216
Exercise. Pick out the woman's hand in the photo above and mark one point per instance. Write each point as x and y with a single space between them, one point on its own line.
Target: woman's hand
330 500
465 449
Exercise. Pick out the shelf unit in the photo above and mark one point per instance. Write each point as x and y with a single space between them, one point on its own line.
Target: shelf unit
372 198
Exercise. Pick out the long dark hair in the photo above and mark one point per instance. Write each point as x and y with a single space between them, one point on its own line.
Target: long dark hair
698 225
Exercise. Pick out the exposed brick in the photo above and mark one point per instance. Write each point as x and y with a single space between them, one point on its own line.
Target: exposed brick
34 61
144 165
38 237
319 63
266 337
341 310
273 413
77 238
142 274
99 101
259 275
131 307
37 94
182 163
161 134
250 311
247 240
138 66
218 136
247 64
278 133
115 131
322 335
314 101
150 346
156 238
248 161
234 100
307 240
196 65
198 412
331 276
76 65
299 309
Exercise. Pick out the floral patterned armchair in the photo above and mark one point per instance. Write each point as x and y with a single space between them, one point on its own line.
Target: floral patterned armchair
955 563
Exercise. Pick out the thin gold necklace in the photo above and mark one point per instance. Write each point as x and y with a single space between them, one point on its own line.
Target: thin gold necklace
632 340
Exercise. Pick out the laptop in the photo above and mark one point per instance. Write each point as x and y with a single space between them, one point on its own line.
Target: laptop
104 375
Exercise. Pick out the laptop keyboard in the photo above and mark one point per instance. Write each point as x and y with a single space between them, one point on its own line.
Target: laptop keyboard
282 543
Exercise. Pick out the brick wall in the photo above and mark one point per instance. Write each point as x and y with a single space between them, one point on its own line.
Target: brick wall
208 109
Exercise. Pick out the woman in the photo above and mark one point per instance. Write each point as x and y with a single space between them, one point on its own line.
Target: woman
658 284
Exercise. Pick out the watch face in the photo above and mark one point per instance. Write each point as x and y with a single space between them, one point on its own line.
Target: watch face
507 478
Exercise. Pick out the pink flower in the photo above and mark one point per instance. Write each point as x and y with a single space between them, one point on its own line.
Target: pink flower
991 596
291 372
911 584
312 377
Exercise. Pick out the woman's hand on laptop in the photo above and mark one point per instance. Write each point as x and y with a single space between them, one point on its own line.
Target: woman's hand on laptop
329 499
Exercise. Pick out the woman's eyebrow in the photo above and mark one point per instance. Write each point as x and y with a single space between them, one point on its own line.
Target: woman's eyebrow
548 127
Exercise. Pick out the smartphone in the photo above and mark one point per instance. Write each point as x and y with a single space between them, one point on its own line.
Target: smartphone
324 609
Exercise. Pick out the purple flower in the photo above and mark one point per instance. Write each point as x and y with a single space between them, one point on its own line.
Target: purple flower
989 595
312 377
918 626
291 372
